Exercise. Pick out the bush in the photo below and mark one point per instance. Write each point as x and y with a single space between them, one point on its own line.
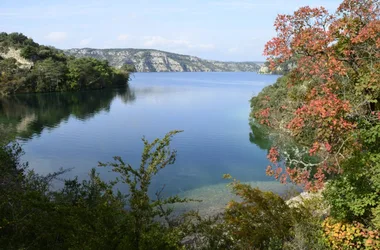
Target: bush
354 195
351 235
88 214
260 218
263 220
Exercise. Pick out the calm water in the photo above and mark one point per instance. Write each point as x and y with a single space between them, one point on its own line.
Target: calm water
76 130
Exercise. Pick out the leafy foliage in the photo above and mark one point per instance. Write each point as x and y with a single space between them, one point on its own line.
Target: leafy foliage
354 195
260 218
12 78
329 105
156 156
88 214
263 220
128 67
331 90
51 70
351 236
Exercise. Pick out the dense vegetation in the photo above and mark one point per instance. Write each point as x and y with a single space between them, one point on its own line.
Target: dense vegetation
92 214
26 66
84 215
329 106
323 132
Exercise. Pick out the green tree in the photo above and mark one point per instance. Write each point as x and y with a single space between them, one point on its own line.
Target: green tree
88 214
85 73
12 78
128 67
156 156
354 195
48 76
52 70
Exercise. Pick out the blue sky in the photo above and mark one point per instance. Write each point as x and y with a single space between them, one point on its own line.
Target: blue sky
233 30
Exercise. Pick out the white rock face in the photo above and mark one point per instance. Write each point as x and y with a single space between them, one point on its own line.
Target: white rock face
14 53
320 209
174 66
160 61
264 70
299 199
281 69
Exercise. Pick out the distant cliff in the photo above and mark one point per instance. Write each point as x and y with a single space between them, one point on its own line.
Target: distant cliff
145 60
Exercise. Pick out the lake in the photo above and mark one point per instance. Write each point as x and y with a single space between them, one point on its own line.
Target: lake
76 130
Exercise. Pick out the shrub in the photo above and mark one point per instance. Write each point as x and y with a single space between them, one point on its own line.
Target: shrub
350 235
88 214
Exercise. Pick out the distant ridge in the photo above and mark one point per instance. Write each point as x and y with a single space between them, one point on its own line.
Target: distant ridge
149 60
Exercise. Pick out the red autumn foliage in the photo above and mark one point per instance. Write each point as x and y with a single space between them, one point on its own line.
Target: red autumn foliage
273 155
337 61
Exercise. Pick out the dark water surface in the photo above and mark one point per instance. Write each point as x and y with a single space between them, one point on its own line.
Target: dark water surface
76 130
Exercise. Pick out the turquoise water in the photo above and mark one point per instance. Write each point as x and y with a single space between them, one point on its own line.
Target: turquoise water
76 130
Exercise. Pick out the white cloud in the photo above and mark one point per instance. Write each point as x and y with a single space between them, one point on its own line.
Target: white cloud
158 41
56 36
123 37
85 41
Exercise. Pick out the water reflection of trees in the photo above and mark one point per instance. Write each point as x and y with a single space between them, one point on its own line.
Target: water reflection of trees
293 154
259 136
27 115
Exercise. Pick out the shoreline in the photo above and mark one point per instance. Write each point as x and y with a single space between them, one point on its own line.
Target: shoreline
215 197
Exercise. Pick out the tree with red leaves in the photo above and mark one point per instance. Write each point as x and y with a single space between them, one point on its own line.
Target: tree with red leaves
332 90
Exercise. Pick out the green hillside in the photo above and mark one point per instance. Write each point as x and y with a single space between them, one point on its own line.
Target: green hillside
26 66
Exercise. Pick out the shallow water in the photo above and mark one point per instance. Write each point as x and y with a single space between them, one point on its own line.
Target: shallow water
76 130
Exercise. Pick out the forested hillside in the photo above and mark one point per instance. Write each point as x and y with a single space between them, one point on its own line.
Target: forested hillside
26 66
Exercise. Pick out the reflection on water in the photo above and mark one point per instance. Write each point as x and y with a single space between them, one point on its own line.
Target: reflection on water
259 136
76 130
25 116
